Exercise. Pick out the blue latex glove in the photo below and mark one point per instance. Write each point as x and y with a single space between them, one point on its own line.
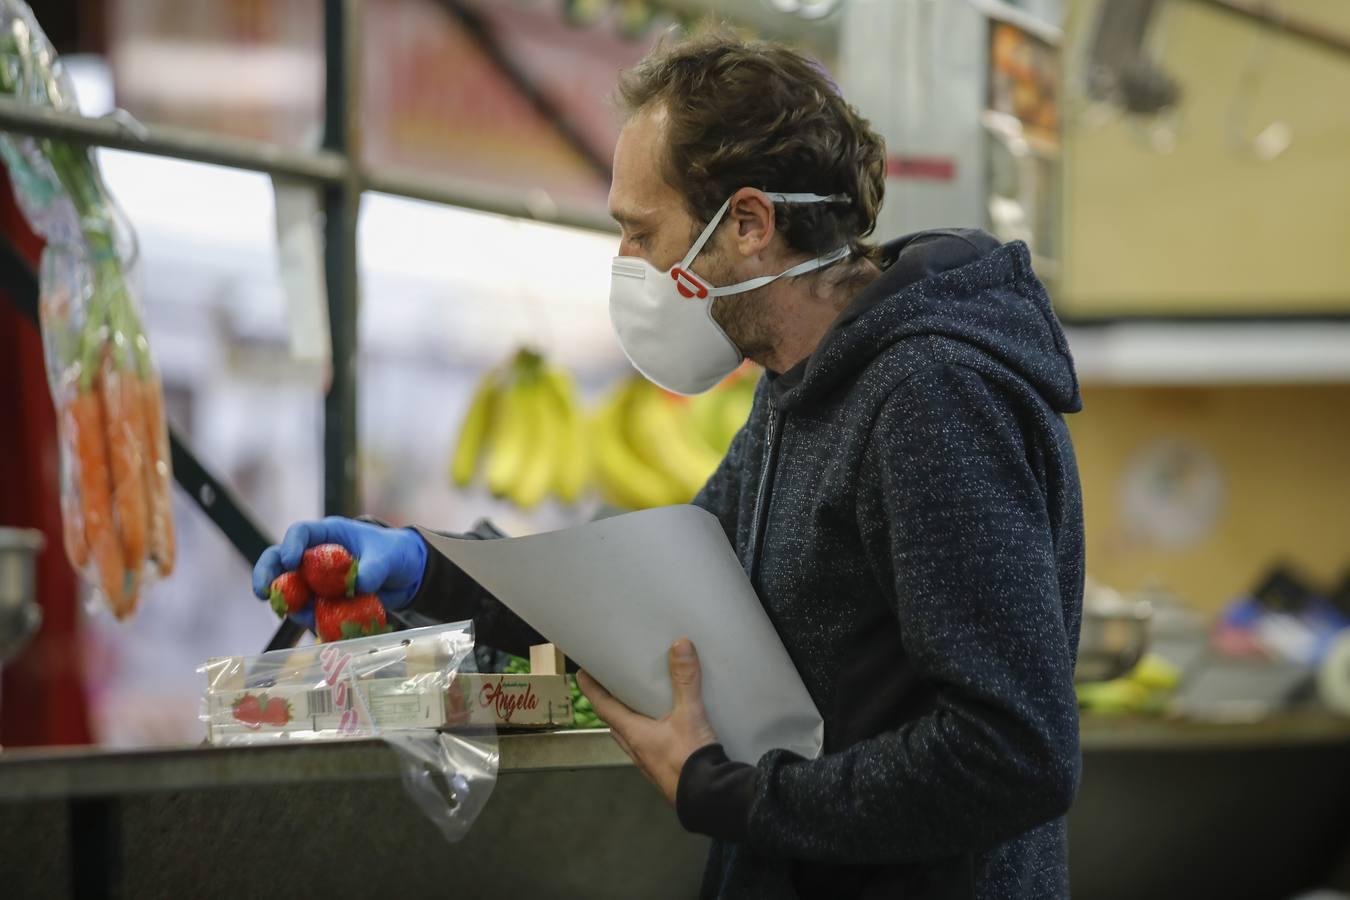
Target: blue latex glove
391 560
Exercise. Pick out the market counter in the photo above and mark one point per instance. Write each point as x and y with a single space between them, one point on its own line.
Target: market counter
1164 811
569 817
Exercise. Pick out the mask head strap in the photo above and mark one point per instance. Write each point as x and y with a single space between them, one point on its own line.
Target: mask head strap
801 268
775 197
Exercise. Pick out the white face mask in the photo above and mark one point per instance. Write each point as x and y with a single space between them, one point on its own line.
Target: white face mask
664 319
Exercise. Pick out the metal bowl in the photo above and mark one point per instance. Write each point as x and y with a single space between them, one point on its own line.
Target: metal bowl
1114 635
19 612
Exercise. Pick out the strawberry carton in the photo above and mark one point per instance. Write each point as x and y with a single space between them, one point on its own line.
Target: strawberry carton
340 710
541 699
352 688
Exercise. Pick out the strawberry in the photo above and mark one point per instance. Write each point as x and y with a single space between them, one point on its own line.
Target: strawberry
289 594
248 710
276 712
329 570
338 618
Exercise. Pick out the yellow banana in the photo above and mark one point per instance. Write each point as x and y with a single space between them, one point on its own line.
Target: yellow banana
737 409
511 436
659 428
706 415
474 431
536 472
625 478
573 468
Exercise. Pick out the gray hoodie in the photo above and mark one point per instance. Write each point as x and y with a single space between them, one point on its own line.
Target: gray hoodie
906 503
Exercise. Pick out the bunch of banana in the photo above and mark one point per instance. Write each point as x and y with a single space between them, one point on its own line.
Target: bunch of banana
1146 688
720 413
524 431
648 451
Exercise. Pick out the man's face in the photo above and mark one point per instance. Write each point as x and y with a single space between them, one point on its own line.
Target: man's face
654 221
657 226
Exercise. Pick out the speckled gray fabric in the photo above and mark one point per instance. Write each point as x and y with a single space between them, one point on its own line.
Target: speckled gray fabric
918 544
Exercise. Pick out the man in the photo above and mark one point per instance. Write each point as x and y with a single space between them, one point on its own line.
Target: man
904 497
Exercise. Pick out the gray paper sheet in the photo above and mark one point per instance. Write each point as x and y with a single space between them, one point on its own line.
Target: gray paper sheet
615 594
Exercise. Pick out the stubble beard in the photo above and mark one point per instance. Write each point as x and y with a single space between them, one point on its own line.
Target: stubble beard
743 317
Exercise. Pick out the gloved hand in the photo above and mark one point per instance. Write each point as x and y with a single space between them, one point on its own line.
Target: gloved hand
391 561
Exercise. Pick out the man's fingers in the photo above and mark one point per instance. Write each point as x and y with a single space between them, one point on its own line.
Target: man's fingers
265 571
604 703
623 744
294 544
305 616
686 676
371 573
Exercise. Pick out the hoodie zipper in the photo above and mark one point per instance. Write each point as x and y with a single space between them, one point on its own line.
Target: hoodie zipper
761 524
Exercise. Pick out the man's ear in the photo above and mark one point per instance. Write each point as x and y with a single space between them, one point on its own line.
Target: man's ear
751 214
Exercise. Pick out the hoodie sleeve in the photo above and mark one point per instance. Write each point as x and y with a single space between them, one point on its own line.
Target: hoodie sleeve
954 519
447 594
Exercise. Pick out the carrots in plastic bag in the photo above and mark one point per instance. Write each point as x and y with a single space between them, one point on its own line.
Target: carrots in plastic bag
72 519
157 474
125 422
86 419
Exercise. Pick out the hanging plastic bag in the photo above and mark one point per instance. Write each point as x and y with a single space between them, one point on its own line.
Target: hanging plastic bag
114 447
398 687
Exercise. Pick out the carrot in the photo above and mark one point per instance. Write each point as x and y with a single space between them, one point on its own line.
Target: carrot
86 421
158 477
126 437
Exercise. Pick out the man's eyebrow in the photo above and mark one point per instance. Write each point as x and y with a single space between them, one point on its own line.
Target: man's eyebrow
625 217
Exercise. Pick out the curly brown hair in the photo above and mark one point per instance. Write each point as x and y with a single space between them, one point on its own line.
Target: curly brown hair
757 114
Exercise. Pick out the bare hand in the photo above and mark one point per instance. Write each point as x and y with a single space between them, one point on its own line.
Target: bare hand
659 747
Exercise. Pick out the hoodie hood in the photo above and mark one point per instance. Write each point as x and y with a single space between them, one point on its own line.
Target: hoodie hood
955 283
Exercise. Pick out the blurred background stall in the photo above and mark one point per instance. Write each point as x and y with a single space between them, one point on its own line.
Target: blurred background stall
1180 169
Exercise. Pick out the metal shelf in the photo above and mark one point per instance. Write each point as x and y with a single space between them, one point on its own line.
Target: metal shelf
1211 353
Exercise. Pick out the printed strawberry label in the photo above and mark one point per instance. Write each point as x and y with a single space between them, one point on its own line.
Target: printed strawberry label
257 710
335 662
510 700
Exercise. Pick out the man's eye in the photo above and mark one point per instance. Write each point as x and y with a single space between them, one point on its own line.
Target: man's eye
639 239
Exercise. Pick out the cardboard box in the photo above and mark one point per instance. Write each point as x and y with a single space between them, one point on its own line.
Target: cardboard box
513 701
345 709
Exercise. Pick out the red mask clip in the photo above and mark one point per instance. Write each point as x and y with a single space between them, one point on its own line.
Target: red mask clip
688 285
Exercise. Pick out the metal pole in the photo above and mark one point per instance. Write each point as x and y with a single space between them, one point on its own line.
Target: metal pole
341 204
163 140
537 206
321 166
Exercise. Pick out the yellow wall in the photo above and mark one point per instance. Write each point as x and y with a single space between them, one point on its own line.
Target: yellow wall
1285 456
1207 229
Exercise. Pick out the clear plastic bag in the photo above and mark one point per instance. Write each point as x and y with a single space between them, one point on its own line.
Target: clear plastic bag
114 448
398 687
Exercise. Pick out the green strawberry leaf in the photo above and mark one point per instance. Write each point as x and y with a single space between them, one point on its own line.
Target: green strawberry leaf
349 630
351 578
278 604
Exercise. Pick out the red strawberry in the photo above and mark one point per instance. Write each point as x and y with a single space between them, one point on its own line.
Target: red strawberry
329 570
338 618
289 594
248 710
276 712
